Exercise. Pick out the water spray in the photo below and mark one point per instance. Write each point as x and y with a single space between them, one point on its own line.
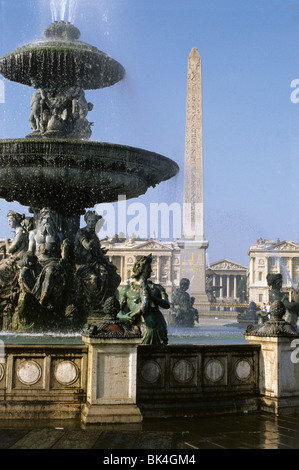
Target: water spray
282 265
53 5
72 10
62 9
286 272
59 9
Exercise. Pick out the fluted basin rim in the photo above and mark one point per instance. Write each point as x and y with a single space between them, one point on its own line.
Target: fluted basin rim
70 176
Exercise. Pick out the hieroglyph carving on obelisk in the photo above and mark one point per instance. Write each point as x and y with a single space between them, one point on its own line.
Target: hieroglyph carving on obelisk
193 226
193 244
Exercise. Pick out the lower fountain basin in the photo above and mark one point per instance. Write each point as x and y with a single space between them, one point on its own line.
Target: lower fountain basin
70 176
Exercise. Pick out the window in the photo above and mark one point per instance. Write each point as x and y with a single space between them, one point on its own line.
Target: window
116 261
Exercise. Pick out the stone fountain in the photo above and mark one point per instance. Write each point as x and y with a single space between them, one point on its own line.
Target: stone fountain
56 274
61 275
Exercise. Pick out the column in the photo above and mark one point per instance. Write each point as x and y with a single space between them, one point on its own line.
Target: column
158 269
251 272
235 286
170 270
267 267
221 285
227 286
122 268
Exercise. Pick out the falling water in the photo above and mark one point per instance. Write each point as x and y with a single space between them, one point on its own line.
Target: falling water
59 9
282 265
207 260
286 273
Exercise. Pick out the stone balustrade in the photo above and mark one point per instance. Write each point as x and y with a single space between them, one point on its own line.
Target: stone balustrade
51 381
187 380
42 381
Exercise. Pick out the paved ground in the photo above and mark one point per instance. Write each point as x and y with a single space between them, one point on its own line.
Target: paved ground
246 431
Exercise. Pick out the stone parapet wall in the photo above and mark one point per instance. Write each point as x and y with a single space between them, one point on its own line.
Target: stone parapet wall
190 380
50 382
42 381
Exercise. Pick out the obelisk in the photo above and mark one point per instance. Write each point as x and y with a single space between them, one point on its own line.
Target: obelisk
193 243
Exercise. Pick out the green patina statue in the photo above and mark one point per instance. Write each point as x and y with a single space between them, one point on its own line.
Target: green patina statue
140 301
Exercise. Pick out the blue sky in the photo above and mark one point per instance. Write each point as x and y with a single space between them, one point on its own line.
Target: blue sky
250 56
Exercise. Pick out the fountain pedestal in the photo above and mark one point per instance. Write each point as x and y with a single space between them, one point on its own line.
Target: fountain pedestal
278 364
112 374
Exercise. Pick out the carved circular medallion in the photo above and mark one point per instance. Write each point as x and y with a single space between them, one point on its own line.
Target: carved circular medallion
242 369
214 370
183 371
2 371
29 372
66 372
150 372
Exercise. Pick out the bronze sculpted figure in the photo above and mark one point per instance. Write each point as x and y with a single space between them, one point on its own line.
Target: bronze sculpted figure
60 113
51 276
182 305
140 301
43 275
14 251
97 277
292 308
35 117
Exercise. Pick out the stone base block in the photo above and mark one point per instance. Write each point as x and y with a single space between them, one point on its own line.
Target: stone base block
102 414
201 408
280 406
39 411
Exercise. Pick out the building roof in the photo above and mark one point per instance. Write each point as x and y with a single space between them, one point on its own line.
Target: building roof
227 265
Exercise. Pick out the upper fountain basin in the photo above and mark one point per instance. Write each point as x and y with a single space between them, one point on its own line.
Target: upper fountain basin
61 60
70 176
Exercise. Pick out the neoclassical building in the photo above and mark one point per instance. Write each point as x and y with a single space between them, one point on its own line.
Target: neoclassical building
166 259
167 265
267 256
225 277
